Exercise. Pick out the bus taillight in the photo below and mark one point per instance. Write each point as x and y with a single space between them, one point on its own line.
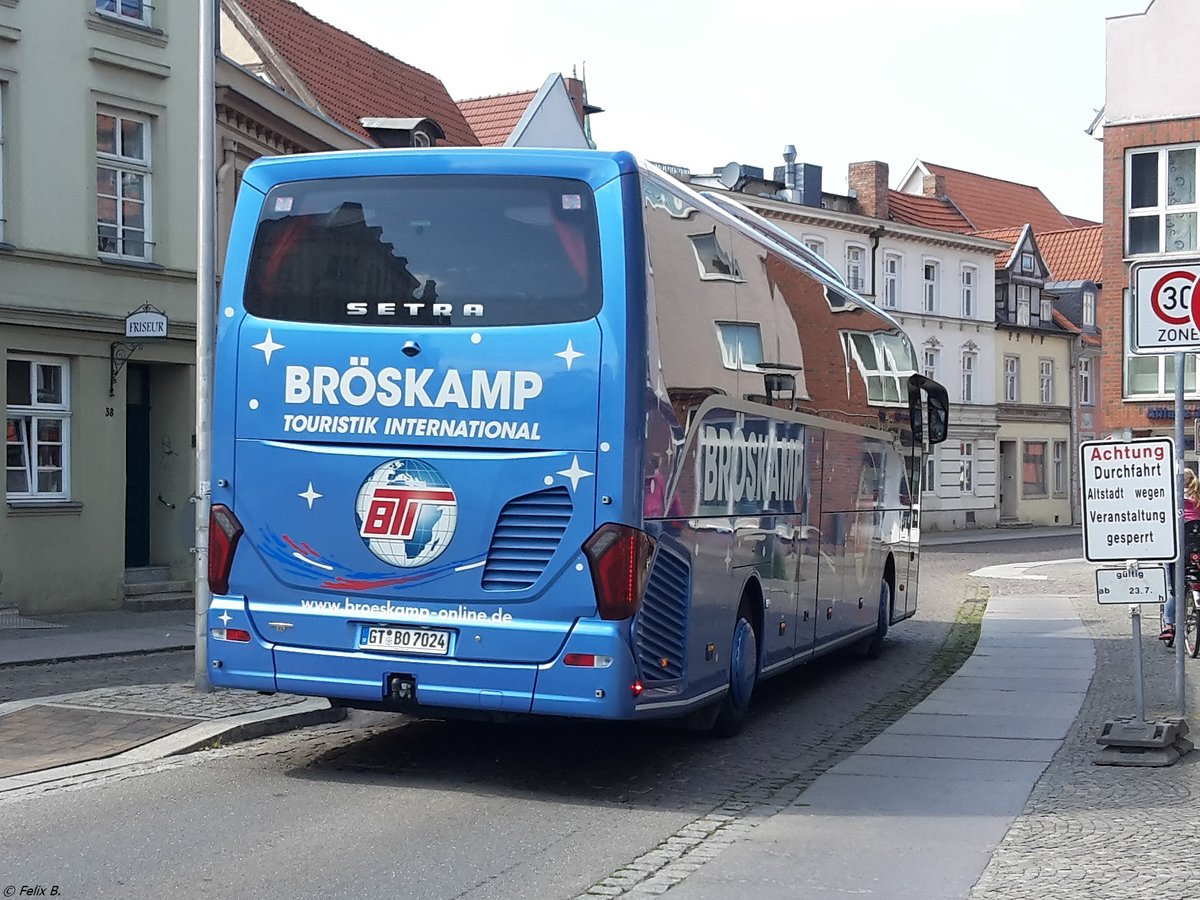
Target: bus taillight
224 530
619 557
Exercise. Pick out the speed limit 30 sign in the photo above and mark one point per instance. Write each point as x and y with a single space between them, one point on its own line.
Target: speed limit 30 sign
1164 318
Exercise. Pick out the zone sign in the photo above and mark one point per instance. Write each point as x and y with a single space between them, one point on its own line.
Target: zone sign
1165 319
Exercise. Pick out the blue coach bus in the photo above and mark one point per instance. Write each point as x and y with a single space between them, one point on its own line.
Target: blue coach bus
546 432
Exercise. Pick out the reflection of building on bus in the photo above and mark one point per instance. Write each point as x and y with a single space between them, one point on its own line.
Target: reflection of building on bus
719 485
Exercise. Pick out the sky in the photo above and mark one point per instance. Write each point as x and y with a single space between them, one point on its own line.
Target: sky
1003 89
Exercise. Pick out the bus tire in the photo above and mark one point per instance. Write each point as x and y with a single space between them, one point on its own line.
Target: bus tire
872 646
743 674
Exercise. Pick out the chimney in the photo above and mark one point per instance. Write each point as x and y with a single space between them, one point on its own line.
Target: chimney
575 91
934 186
869 181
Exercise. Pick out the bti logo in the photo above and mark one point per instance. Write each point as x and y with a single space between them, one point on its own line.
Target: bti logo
407 512
393 512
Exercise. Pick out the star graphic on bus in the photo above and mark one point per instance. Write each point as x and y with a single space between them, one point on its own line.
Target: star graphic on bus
575 473
570 355
268 346
310 495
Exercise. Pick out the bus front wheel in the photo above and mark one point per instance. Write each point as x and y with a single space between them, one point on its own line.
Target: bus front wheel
743 675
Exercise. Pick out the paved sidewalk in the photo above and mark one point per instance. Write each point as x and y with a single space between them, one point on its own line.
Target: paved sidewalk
1008 533
918 811
49 639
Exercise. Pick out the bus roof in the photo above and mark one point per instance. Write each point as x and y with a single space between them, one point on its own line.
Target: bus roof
594 167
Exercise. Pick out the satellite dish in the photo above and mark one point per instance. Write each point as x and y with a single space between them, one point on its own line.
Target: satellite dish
731 174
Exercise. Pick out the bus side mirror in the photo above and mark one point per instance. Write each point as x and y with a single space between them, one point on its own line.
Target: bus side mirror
939 417
935 410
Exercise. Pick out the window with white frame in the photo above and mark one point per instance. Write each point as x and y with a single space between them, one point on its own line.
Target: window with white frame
1027 263
123 171
929 482
1022 304
885 362
1046 381
966 467
1160 200
969 275
968 376
855 256
1012 379
37 428
741 345
128 10
931 287
1089 307
816 245
3 91
1047 310
929 362
891 280
1085 381
1154 376
1059 467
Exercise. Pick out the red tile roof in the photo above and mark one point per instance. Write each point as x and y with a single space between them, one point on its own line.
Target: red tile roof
1072 254
994 203
1009 236
1092 340
350 78
494 118
926 212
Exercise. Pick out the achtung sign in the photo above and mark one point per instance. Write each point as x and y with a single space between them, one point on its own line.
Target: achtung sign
1128 490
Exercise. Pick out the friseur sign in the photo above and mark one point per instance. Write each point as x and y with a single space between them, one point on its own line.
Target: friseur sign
1128 490
145 323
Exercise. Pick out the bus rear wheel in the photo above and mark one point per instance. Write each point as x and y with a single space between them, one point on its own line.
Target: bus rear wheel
872 646
743 675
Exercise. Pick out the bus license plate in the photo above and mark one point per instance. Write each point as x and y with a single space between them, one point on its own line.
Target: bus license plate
429 641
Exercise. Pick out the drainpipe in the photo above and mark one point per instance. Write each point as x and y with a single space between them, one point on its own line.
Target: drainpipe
228 162
875 235
1073 432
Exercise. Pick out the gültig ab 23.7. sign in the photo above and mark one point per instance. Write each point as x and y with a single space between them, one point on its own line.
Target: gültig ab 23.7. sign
1128 490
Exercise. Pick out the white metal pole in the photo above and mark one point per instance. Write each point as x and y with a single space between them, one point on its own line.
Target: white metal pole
205 318
1181 585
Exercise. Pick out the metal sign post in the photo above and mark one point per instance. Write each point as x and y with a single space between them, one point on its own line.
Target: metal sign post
1165 319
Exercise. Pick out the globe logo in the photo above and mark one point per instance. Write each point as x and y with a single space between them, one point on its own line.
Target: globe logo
406 512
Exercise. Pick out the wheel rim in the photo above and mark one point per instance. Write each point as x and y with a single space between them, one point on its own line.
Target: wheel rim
744 664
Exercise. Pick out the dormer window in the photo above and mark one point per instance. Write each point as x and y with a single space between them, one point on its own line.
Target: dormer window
1027 263
1047 310
413 132
1022 304
1089 308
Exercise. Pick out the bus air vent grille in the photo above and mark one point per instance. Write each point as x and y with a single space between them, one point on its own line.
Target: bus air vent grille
662 620
527 533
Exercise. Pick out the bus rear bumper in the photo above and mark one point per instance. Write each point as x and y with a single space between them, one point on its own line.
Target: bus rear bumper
603 690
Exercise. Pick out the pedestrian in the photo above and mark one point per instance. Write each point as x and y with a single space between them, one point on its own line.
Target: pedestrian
1191 543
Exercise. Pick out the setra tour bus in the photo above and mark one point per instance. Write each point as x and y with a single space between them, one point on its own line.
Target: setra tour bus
546 432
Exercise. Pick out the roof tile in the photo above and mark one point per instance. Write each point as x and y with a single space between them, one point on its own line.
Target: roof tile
350 78
926 212
994 203
1072 254
494 118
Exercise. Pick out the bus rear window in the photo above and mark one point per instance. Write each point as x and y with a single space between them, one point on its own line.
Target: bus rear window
452 250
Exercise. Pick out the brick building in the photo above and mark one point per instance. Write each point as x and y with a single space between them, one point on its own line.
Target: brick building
1150 127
